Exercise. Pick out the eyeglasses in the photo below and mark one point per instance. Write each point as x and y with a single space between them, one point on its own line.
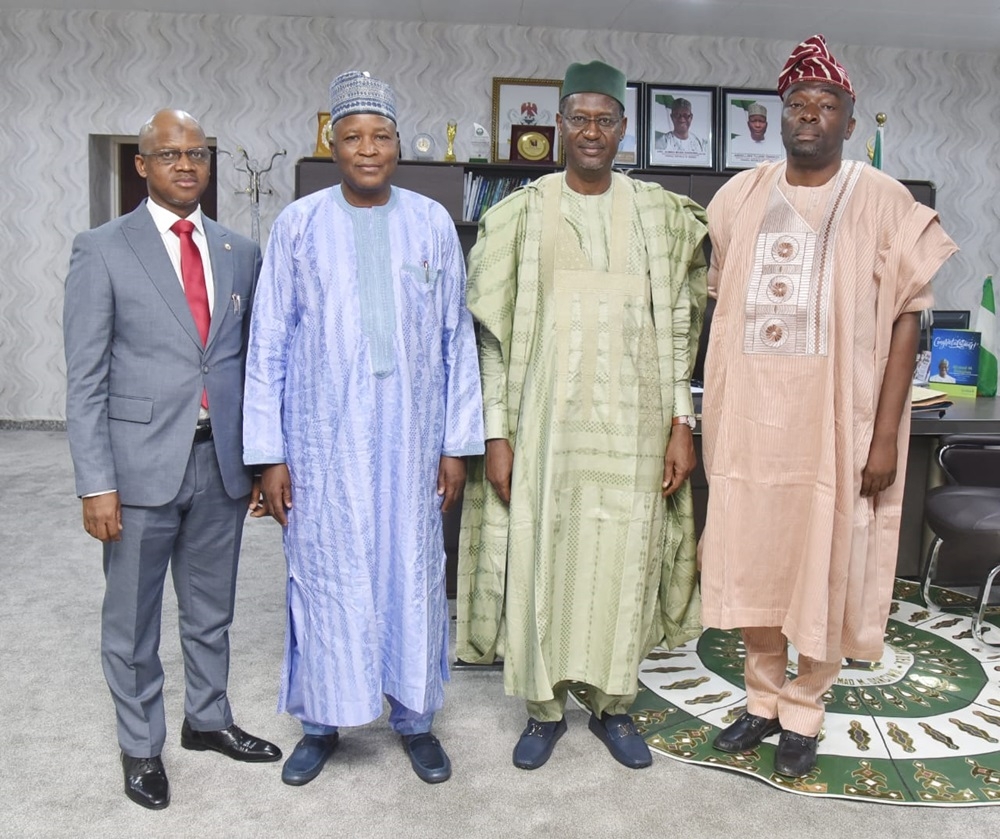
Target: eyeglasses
168 157
578 122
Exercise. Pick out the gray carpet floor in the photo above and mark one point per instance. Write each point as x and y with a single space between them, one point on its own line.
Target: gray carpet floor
59 769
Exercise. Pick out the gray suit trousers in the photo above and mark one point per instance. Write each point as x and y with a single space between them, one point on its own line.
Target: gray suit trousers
198 535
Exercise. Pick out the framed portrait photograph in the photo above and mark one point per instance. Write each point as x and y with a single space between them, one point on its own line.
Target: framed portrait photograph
751 128
630 148
680 126
533 102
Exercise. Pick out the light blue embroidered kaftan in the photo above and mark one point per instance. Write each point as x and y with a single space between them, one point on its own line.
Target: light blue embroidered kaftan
362 371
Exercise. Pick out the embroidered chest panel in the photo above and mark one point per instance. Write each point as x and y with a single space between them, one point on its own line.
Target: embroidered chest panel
787 306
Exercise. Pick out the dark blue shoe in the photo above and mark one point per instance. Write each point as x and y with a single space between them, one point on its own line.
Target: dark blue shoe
310 755
427 757
537 742
619 734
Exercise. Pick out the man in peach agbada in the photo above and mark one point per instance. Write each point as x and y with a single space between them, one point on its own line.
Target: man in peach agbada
820 267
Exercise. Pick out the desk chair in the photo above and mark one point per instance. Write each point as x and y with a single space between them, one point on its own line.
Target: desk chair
967 512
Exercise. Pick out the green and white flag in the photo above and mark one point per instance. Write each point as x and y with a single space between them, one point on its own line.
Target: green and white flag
877 149
986 326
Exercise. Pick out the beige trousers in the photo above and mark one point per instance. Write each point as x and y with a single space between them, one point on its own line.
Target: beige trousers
798 702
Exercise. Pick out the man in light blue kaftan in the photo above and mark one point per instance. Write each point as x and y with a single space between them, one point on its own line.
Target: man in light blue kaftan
362 398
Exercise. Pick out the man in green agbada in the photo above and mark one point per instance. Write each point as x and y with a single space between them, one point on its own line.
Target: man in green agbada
578 546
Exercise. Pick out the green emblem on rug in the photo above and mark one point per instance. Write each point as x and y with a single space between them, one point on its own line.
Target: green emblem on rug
921 726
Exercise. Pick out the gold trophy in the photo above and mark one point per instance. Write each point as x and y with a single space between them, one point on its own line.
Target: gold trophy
449 155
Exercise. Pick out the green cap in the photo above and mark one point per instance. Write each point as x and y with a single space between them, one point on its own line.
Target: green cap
596 77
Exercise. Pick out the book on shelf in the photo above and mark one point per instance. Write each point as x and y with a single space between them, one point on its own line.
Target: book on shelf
483 190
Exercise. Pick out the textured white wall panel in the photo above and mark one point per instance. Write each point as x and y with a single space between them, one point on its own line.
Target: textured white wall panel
259 81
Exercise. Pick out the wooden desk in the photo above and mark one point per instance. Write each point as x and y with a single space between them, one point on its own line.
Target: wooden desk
966 416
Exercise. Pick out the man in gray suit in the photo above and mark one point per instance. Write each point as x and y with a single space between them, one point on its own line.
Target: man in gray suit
156 319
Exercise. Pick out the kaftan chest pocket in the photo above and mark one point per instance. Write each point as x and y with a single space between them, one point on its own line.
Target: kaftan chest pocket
423 276
419 284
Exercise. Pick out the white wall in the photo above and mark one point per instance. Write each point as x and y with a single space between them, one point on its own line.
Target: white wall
259 81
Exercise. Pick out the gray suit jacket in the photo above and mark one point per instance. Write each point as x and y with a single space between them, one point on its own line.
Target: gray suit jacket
135 365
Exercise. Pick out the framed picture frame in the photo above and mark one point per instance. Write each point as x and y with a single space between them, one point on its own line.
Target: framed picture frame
322 140
751 127
631 147
680 126
522 102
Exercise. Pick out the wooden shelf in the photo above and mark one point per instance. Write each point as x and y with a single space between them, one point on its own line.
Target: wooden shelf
445 182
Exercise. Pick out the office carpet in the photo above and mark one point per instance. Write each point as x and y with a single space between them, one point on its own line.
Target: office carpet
921 727
59 769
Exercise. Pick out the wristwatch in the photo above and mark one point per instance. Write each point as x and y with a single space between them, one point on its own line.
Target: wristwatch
689 421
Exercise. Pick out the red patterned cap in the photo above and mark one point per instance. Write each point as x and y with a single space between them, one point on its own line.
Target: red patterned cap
812 61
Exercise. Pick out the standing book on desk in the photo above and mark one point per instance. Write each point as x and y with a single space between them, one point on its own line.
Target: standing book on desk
955 361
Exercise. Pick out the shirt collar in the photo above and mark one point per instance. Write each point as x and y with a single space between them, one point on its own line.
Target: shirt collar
164 219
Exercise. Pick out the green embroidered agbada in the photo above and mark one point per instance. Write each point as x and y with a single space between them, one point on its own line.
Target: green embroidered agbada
584 366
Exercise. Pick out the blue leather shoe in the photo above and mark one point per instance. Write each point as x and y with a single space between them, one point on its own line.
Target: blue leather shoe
619 734
537 742
427 757
307 760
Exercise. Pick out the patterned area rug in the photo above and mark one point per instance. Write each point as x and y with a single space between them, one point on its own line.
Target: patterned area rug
921 727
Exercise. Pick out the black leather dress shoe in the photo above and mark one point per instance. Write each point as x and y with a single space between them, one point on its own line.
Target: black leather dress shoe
232 742
796 754
745 734
146 781
427 757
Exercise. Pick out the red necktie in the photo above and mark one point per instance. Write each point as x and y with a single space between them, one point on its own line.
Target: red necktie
193 277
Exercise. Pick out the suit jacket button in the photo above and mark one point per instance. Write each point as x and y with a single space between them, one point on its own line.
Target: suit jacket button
204 369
